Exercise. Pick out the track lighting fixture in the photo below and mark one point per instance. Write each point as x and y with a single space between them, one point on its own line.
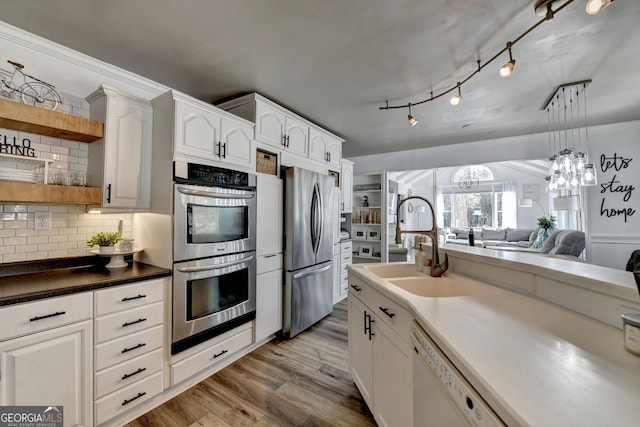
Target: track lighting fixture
543 8
594 7
412 120
455 99
507 69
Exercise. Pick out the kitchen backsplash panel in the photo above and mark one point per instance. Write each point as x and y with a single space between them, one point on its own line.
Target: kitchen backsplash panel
71 226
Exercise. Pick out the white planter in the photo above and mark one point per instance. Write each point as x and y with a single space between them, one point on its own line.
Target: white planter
107 249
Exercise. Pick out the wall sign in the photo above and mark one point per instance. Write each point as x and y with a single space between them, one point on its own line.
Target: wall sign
13 145
616 194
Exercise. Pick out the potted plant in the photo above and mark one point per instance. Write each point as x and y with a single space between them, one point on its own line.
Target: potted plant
105 240
545 223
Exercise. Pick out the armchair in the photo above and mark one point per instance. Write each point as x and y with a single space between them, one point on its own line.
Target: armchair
564 242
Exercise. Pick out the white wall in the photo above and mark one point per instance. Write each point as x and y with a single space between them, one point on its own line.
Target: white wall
610 240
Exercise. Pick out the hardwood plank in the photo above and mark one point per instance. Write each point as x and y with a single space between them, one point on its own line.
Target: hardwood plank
304 381
23 192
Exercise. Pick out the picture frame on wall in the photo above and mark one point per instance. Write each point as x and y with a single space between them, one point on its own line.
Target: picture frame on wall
373 235
366 250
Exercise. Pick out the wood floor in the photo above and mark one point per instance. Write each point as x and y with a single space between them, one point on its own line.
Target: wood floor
304 381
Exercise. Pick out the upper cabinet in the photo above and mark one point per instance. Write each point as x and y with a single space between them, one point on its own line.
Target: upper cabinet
346 186
278 127
324 148
203 132
120 161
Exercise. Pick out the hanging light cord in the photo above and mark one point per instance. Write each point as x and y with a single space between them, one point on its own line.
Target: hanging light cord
550 14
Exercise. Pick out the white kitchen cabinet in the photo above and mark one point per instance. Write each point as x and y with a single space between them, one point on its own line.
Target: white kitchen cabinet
379 354
269 219
128 346
336 275
268 303
346 186
120 162
50 368
200 131
324 148
269 256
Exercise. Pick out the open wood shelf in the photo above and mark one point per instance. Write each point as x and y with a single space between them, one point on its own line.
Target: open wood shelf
22 192
28 118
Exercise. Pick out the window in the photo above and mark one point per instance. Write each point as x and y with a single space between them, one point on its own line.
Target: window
473 200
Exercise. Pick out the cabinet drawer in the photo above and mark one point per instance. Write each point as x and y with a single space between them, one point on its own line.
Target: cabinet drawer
126 322
392 314
27 318
267 263
207 357
345 258
346 247
123 374
360 290
128 347
128 296
122 400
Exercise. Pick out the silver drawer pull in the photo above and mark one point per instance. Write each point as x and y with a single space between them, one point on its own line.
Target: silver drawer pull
215 356
127 401
142 319
126 350
125 299
125 376
57 313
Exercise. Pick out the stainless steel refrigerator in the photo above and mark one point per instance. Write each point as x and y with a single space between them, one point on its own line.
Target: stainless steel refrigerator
309 222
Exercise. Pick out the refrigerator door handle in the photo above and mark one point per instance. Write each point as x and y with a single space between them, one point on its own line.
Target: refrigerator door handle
317 217
309 273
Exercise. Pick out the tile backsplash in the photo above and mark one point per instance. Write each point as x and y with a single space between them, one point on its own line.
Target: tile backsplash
71 226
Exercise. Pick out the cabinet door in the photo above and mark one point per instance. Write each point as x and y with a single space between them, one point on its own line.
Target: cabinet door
268 304
269 125
297 136
197 132
120 162
392 384
337 273
346 187
236 144
317 146
360 349
269 215
334 152
51 368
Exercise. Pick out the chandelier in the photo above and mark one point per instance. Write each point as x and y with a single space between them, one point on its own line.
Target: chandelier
569 165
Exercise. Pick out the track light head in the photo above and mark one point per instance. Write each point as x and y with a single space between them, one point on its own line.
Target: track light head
507 69
456 99
593 7
412 120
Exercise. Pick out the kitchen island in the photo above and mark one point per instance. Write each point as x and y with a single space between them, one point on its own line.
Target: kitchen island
539 343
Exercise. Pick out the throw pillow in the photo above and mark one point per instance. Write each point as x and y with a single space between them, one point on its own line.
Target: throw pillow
518 234
499 234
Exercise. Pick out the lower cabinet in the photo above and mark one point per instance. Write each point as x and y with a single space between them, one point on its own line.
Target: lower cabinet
50 368
379 354
268 304
128 347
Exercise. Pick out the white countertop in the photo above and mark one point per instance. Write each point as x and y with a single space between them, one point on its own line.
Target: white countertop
534 362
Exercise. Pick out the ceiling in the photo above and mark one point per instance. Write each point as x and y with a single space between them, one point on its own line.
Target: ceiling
336 62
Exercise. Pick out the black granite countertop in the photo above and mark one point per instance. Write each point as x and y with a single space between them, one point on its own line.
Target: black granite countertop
29 281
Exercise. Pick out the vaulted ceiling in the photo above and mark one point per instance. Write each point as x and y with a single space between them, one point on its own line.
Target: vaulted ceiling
337 62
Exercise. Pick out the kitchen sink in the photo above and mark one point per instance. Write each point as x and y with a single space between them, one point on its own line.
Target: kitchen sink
386 271
444 286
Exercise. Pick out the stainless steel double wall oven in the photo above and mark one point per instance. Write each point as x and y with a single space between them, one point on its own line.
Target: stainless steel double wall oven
214 270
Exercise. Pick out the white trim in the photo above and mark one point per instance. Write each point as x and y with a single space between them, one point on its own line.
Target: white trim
146 88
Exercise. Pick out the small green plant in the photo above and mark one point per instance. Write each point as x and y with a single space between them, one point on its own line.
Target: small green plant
547 223
104 239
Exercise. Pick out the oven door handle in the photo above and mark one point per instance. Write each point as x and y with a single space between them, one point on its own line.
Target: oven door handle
213 266
215 194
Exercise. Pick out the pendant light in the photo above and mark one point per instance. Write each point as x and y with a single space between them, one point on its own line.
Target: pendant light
455 99
412 120
594 7
507 69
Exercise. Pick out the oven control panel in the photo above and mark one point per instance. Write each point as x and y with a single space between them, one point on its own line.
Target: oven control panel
464 397
211 176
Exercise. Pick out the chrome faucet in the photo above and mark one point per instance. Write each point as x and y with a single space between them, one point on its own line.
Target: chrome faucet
437 269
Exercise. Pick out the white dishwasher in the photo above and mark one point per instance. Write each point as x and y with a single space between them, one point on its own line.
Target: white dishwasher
441 395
